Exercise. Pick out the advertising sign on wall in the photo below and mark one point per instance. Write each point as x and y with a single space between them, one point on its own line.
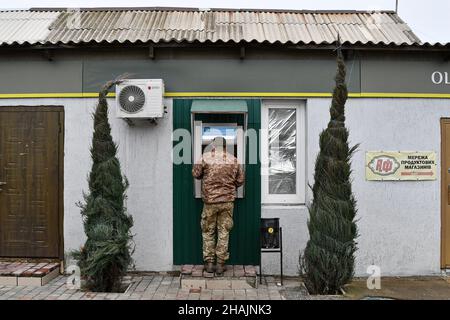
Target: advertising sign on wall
402 165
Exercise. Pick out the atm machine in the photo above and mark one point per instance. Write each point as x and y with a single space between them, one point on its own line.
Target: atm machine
205 130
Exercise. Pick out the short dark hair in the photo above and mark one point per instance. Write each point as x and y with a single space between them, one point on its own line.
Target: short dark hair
219 142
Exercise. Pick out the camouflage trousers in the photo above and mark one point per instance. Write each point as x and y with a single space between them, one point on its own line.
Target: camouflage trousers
216 216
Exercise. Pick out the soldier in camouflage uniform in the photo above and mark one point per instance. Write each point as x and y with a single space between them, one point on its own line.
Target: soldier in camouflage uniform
221 174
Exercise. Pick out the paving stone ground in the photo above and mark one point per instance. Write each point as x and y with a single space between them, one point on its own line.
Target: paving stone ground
166 287
150 287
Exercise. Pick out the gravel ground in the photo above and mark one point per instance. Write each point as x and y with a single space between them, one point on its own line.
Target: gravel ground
301 293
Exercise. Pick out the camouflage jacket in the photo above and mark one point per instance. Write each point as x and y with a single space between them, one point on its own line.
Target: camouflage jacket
221 174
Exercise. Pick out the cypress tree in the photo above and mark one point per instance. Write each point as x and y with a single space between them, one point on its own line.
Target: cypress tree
328 260
106 254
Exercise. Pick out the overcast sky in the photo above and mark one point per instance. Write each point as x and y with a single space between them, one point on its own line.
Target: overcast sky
430 19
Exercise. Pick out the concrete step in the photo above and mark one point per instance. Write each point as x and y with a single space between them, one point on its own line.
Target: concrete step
27 273
237 277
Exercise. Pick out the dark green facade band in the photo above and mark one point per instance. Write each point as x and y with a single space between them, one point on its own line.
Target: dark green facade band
209 70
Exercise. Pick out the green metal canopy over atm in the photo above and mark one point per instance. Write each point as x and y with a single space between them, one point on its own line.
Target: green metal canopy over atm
219 106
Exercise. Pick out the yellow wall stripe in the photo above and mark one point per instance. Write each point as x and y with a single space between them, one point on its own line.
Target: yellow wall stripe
40 95
247 94
404 95
52 95
235 94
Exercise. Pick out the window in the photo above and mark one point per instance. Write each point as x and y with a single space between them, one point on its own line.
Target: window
283 152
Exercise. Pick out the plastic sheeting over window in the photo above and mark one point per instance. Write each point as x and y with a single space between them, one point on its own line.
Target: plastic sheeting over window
282 151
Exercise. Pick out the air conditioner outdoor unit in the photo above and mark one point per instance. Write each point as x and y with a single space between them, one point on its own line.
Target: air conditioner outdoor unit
140 99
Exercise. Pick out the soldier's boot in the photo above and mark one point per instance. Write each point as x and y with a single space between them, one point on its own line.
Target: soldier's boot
209 267
220 268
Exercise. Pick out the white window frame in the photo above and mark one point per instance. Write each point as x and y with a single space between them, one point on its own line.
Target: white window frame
300 195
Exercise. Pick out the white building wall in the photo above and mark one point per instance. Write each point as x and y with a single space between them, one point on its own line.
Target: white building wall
146 154
399 222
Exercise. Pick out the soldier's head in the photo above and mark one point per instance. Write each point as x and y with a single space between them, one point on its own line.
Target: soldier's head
219 143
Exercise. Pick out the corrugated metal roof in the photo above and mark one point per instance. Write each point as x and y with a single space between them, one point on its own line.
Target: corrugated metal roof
187 25
25 26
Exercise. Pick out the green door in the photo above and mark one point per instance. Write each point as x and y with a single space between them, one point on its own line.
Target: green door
187 238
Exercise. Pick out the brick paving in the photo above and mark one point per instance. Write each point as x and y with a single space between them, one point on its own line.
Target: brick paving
147 287
231 271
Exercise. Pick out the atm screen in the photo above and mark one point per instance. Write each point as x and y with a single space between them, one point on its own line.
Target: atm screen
229 133
210 132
